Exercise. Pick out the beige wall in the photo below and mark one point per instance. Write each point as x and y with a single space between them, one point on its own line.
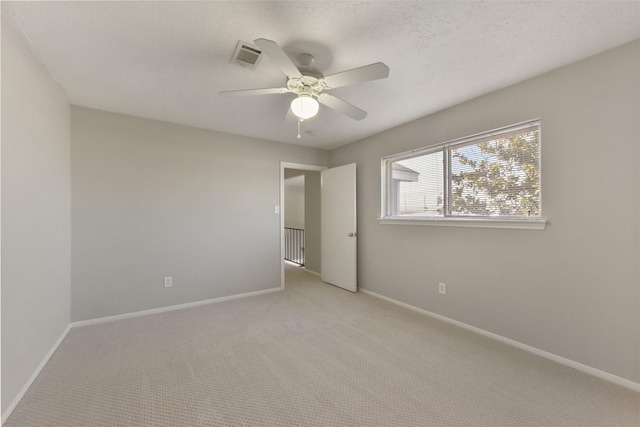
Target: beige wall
36 213
312 220
154 199
294 200
572 289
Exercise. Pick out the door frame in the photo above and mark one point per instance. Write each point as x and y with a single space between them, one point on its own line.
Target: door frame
283 166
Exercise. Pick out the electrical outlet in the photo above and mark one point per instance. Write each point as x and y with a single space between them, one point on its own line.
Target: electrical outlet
442 288
168 282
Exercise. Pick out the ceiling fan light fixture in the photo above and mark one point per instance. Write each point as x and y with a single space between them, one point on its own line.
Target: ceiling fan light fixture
305 106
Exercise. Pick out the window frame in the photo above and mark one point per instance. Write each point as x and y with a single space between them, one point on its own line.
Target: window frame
513 222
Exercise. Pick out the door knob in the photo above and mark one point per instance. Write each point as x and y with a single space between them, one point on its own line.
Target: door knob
352 234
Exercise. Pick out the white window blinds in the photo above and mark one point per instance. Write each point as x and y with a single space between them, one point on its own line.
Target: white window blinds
495 174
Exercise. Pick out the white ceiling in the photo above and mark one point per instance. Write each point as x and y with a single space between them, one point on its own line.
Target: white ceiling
169 60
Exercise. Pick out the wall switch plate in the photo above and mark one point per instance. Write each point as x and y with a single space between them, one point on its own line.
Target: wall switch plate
168 282
442 288
277 210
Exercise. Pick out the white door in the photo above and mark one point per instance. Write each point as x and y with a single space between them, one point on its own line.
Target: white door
338 223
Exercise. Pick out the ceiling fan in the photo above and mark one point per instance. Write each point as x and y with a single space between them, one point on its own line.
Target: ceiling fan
310 85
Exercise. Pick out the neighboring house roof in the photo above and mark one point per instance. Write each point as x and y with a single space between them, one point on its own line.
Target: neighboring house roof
403 173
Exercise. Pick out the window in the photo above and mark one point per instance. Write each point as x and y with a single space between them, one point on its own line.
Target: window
494 176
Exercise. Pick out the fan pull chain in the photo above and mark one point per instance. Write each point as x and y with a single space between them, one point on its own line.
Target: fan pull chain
299 121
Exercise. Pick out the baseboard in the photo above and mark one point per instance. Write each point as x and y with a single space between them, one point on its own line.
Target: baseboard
170 308
554 357
35 374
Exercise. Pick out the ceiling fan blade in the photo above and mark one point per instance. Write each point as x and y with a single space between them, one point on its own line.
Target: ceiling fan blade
279 58
357 75
341 106
250 92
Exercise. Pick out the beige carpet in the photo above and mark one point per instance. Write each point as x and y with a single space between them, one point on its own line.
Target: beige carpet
313 355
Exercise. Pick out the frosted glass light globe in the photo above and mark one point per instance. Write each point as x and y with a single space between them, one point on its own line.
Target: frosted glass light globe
305 107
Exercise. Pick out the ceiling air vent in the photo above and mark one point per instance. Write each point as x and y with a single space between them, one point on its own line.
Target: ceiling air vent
246 55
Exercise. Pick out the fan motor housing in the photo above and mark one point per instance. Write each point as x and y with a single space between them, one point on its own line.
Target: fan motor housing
305 85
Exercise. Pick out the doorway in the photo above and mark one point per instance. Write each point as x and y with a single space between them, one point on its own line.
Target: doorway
300 215
294 210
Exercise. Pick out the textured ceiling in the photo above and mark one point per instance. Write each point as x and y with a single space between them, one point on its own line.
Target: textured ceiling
169 60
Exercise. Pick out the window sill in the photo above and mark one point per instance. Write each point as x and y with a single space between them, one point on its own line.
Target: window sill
520 224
